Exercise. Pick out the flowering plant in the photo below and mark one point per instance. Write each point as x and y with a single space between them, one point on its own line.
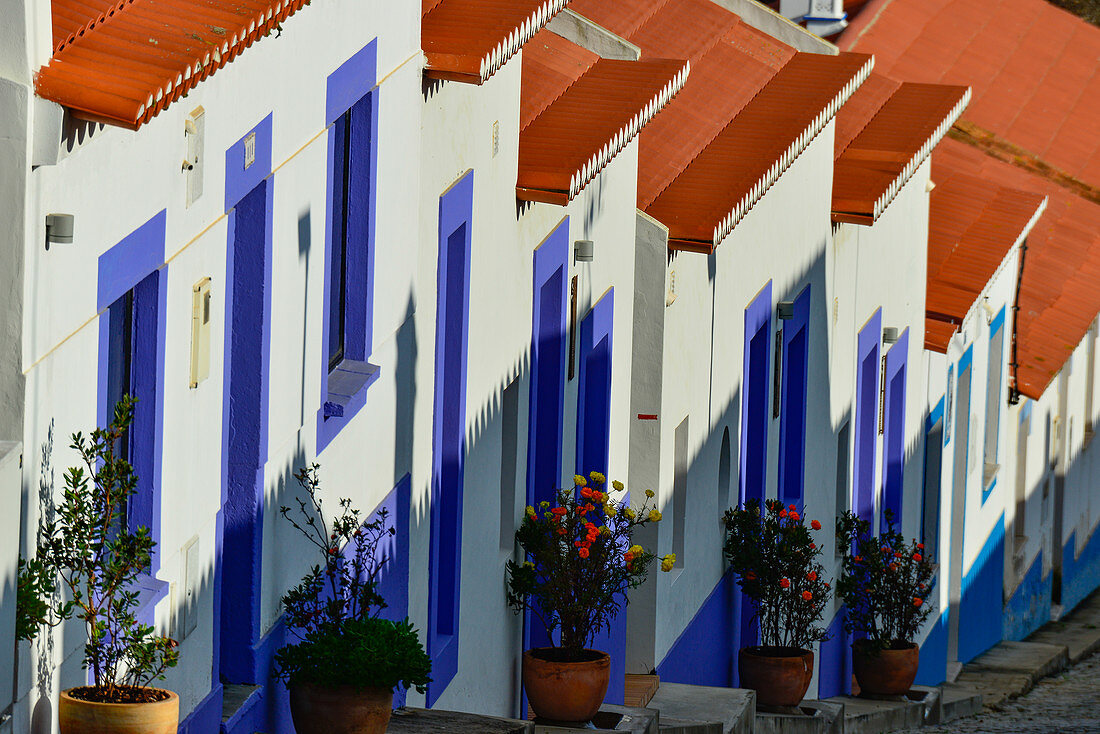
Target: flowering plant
334 611
580 560
774 557
885 583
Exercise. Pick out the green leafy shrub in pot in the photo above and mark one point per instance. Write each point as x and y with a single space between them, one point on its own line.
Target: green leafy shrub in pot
343 647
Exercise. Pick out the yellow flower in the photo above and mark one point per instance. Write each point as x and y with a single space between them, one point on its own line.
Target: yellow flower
530 511
544 504
654 516
617 485
649 493
637 550
578 480
597 477
668 562
629 512
605 530
609 510
528 564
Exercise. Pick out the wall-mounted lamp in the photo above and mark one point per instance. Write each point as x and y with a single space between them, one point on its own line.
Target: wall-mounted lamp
59 229
989 312
785 310
889 334
583 251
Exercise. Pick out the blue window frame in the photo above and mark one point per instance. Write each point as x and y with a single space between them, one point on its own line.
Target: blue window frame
866 429
352 113
131 298
449 432
792 416
994 394
755 383
594 393
893 428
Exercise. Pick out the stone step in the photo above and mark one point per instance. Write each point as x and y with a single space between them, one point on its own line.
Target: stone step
704 709
958 701
610 719
810 717
872 716
435 721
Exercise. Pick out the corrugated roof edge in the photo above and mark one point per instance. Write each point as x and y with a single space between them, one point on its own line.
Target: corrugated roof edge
722 230
511 45
601 158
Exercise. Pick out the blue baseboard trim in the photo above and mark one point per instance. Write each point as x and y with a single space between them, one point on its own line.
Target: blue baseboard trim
1028 609
1080 573
932 669
206 717
704 654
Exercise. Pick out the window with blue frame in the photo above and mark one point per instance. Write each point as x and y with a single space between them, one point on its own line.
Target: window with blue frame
866 417
754 405
792 416
993 396
895 365
352 113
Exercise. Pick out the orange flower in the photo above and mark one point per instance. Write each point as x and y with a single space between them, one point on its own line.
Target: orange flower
815 525
559 511
784 583
917 601
783 513
583 552
628 557
812 575
586 492
561 531
795 516
917 557
790 507
807 595
750 575
893 567
920 545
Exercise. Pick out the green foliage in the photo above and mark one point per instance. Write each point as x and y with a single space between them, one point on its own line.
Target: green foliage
333 612
98 559
577 573
885 584
775 559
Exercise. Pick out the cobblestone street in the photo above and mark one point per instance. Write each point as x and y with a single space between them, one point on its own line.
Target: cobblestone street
1066 702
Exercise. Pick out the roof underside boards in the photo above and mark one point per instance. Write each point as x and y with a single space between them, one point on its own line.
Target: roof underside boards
703 204
573 138
550 64
469 40
1059 297
973 225
124 66
1034 68
872 169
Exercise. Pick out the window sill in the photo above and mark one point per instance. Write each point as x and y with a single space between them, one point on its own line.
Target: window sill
989 479
346 392
150 590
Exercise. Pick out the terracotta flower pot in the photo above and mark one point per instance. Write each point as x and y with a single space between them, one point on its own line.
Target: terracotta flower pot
890 672
339 709
561 690
76 716
779 675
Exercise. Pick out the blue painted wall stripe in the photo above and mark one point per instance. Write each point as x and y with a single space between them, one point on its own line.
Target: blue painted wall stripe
866 419
893 439
792 416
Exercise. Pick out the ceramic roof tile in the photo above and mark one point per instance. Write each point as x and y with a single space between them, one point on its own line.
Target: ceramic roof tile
469 40
580 128
872 169
124 62
550 64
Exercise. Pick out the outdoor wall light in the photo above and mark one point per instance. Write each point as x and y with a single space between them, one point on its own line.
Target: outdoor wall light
583 251
785 310
59 229
889 334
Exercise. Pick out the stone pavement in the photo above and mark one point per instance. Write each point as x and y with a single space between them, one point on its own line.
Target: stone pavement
1066 702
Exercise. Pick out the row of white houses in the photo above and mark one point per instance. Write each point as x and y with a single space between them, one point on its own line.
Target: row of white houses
353 245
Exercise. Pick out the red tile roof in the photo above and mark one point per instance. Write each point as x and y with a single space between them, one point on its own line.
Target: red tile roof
578 111
973 224
875 163
1034 68
469 40
704 203
1035 72
1059 297
123 62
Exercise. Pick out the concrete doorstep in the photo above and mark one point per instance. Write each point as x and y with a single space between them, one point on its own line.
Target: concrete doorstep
687 709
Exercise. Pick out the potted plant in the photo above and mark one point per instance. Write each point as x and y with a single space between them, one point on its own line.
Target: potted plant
87 546
774 557
885 584
342 670
580 562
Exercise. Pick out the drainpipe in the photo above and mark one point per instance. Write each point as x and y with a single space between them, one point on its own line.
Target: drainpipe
1013 390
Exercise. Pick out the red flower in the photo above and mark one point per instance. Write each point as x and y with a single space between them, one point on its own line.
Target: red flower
577 543
807 595
559 511
750 576
858 559
815 525
790 507
893 567
898 554
332 551
920 545
885 549
586 492
812 575
917 601
628 557
583 552
783 513
794 515
917 557
784 583
561 531
813 546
